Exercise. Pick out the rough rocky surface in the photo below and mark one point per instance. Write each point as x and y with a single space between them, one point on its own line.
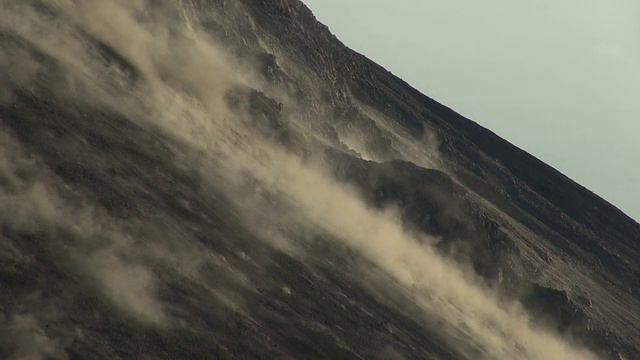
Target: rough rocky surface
145 211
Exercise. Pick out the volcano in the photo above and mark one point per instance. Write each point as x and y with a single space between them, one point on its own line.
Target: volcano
224 179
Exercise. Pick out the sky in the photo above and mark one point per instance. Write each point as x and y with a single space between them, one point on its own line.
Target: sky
559 79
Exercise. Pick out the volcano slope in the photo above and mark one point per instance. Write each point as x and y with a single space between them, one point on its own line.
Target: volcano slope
225 179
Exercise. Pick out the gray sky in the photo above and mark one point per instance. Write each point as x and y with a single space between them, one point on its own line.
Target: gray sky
560 79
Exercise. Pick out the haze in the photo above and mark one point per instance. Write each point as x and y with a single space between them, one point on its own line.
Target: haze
560 80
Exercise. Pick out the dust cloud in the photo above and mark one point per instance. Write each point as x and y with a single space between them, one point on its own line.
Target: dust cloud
176 79
28 340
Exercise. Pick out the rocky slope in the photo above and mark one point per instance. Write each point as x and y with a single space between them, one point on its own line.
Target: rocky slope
225 179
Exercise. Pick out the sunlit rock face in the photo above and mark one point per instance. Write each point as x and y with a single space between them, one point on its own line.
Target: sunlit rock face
225 179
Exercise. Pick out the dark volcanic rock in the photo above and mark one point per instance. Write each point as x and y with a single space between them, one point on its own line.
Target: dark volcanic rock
145 210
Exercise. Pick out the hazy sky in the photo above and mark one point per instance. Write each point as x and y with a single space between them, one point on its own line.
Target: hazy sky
560 79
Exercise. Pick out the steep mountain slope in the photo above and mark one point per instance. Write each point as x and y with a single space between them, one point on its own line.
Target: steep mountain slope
225 179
